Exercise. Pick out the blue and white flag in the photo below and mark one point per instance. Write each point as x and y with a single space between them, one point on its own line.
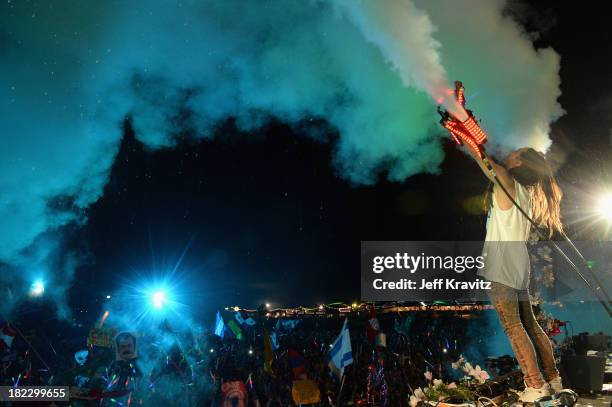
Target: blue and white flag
219 325
240 317
274 340
341 354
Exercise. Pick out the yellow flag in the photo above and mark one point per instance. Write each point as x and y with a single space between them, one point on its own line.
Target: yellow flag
305 391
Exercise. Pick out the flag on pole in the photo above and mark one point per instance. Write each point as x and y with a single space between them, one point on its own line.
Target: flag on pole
341 354
235 329
373 327
219 325
244 319
7 335
274 340
305 392
297 362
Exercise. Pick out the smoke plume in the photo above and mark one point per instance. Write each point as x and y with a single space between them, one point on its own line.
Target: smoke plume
72 71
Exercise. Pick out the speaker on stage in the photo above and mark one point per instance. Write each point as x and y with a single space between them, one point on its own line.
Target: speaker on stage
585 342
584 373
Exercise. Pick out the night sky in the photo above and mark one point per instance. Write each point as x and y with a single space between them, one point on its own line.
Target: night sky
263 216
266 218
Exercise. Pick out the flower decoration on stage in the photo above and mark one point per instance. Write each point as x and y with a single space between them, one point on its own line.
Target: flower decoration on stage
437 391
459 363
474 373
417 397
550 324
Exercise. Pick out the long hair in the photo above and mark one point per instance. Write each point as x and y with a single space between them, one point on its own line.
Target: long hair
535 174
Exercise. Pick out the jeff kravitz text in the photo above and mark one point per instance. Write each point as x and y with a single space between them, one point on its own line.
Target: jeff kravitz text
435 284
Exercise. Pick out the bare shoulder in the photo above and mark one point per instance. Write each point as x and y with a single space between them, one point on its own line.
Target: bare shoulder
501 198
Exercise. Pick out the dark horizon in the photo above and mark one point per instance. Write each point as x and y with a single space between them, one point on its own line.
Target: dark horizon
263 216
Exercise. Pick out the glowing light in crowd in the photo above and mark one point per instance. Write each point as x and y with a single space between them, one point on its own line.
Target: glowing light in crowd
108 297
153 300
267 305
604 207
159 299
37 289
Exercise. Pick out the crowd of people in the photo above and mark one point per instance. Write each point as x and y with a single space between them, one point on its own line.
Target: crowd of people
261 362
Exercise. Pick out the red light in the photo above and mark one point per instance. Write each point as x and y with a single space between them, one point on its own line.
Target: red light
460 93
475 131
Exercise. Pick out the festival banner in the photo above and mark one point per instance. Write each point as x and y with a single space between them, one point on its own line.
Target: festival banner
102 337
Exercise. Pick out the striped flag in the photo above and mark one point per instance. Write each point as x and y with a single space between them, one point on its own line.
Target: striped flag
373 327
274 340
341 354
7 335
297 362
234 329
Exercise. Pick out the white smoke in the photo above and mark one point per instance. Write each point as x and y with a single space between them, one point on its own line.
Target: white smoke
72 71
404 35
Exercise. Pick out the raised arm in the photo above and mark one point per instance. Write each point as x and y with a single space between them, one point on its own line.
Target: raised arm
467 132
502 175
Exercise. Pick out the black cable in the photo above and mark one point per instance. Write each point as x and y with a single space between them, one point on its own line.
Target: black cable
597 290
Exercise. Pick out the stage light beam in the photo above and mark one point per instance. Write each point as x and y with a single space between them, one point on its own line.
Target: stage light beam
159 299
37 289
604 207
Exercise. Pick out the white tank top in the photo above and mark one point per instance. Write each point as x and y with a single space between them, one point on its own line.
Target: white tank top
505 248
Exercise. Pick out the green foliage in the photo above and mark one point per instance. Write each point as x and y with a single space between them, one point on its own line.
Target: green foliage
442 392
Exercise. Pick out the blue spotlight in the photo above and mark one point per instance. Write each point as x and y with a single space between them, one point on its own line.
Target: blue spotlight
37 288
159 299
151 300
